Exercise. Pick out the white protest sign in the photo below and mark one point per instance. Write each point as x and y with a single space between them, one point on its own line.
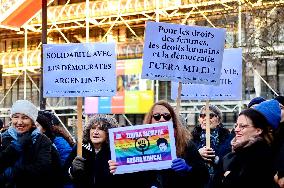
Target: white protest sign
79 70
143 147
230 87
188 54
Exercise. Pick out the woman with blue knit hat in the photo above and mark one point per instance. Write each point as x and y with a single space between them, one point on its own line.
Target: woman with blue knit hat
25 153
250 164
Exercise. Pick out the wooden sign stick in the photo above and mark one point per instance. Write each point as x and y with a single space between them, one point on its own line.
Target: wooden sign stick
79 126
179 97
207 124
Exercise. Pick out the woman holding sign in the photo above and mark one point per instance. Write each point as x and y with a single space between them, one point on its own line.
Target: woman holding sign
92 170
189 168
220 138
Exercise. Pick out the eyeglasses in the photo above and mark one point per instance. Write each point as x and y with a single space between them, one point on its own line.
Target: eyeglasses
242 126
166 116
211 115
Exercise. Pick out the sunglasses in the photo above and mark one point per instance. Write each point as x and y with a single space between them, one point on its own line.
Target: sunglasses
166 116
211 115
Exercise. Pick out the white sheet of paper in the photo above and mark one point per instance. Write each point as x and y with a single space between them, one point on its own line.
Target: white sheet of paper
181 53
79 70
230 87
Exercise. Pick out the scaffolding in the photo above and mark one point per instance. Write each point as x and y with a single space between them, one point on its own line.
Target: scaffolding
65 23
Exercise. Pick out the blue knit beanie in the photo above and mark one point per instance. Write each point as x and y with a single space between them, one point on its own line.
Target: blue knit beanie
271 110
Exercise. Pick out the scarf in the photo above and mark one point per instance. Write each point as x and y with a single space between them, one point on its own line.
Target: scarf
214 138
236 146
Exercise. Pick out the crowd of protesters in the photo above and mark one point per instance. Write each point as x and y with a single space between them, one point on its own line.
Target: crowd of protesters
36 152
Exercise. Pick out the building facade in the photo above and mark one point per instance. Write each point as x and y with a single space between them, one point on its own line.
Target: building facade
253 25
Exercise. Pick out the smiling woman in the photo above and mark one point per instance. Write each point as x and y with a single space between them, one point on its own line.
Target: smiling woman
250 164
25 154
22 122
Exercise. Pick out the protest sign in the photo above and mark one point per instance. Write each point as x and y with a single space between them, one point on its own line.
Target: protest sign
180 53
230 87
143 147
79 70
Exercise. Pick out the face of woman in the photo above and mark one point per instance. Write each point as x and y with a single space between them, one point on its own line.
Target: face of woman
160 114
244 129
98 136
214 120
22 123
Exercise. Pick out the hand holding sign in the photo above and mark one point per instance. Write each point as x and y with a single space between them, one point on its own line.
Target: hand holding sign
112 166
179 165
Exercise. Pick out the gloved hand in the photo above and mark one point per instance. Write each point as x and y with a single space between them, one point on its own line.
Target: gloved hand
78 165
179 165
25 139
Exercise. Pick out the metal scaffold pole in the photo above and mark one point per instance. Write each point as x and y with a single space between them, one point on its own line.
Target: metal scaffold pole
44 41
25 63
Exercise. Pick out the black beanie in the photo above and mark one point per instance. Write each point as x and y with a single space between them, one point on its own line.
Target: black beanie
280 99
256 100
44 121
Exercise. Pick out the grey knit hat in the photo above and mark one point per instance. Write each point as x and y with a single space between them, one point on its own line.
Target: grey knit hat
214 109
25 107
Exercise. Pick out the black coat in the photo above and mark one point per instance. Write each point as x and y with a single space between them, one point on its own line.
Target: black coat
223 148
96 172
250 166
196 178
278 147
224 137
32 168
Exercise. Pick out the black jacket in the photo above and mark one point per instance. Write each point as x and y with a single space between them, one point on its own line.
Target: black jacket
97 173
196 178
278 147
221 149
32 168
250 166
